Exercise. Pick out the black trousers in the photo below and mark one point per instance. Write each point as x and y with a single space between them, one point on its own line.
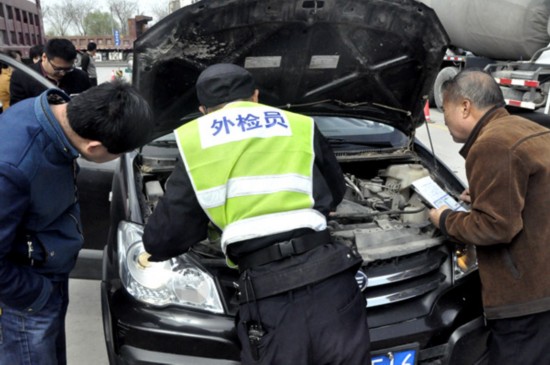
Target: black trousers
520 340
319 324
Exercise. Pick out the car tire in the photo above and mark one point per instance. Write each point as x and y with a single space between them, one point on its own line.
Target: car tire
431 99
445 74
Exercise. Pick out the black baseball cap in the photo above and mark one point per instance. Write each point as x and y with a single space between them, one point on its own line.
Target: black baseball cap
222 83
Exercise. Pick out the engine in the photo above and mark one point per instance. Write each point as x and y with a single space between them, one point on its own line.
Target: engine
383 216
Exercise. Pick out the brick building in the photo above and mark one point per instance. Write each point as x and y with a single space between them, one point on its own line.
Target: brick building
106 45
21 25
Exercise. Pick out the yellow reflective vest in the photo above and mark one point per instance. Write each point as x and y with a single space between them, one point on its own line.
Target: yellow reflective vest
251 168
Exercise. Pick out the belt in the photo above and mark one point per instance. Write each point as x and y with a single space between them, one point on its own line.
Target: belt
284 249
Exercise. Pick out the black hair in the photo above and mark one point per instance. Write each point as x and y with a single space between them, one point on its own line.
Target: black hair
475 85
36 51
112 113
91 46
61 48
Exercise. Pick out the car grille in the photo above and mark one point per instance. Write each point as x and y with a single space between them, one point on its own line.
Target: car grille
389 281
402 278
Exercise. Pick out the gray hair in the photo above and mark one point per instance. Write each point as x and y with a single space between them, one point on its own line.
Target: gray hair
475 85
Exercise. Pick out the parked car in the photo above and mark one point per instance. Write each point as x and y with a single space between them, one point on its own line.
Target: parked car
362 69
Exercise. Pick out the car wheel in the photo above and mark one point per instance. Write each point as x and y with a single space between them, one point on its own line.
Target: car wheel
445 74
431 99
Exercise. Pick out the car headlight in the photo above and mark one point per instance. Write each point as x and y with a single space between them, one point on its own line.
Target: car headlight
178 281
464 260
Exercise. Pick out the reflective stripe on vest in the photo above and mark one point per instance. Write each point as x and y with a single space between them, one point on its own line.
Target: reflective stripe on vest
265 225
241 186
251 168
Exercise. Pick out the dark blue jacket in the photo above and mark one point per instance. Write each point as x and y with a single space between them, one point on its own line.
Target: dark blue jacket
40 233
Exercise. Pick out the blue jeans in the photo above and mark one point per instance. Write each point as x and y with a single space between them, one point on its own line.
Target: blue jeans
37 338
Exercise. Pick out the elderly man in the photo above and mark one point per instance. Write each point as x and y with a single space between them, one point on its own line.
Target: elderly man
508 171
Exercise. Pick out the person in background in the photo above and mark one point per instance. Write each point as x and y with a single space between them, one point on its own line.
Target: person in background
267 185
35 53
5 77
87 63
40 228
57 65
508 170
16 55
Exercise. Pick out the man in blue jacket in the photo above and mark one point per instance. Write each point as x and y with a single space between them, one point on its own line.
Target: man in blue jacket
40 230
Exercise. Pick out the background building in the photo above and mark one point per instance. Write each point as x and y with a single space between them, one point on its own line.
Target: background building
21 25
111 48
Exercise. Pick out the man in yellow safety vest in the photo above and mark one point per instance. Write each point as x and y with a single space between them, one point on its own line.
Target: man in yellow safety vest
267 180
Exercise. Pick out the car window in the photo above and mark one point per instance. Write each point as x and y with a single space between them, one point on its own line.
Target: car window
27 70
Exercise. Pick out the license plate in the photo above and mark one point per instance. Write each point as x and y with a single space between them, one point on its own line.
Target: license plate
405 357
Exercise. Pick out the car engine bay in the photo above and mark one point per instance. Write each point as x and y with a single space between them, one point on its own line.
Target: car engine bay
381 215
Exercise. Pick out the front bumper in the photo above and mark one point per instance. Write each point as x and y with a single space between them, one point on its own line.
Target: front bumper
138 334
133 355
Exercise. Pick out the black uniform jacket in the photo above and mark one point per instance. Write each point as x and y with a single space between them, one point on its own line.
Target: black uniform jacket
23 86
178 222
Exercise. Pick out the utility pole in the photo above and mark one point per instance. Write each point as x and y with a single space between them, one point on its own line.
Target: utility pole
112 31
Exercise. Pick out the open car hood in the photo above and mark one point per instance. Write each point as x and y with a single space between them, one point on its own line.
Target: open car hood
373 59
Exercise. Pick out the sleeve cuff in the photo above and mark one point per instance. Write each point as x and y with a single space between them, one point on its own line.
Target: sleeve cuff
442 220
42 299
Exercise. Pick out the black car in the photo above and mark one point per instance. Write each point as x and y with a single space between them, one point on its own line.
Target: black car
362 69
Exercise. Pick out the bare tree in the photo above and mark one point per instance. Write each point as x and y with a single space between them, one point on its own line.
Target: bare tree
77 10
160 10
57 18
122 11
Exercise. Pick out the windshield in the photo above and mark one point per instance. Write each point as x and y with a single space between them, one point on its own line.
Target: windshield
344 131
341 132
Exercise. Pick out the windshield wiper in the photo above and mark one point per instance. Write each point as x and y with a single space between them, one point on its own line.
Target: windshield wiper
341 141
163 143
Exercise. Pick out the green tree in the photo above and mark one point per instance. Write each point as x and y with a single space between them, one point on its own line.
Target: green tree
99 23
77 10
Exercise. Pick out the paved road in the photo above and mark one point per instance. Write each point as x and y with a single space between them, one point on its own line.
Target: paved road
442 143
85 344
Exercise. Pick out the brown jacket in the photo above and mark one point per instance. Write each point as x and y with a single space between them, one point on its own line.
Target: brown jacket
508 171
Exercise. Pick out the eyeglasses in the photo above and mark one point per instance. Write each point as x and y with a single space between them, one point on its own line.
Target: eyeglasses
60 70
